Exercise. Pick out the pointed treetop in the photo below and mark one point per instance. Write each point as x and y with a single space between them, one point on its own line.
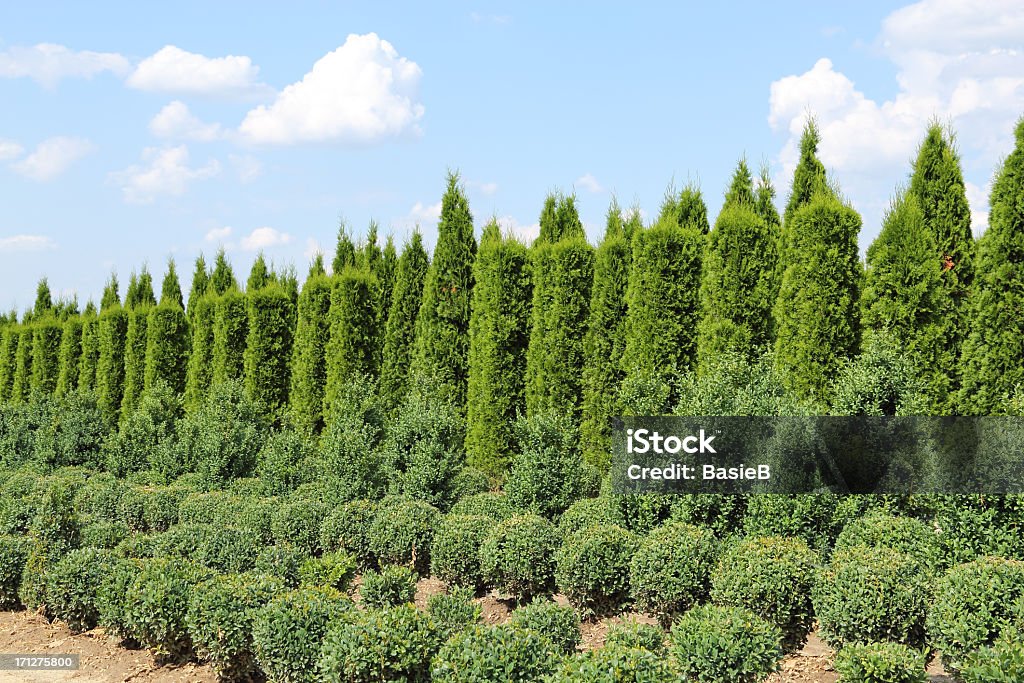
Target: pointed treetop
686 209
200 280
223 277
491 233
456 217
289 281
90 308
559 219
810 176
549 219
369 256
764 202
111 297
316 268
44 300
170 288
741 189
259 275
140 290
390 254
613 221
344 250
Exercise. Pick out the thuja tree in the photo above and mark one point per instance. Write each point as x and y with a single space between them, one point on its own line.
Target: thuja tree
344 251
809 175
8 360
442 329
222 279
562 264
139 299
200 282
938 185
46 336
70 355
991 363
268 349
259 274
21 384
167 339
309 356
400 332
817 311
499 334
44 300
606 334
351 348
739 282
687 209
90 349
764 200
110 364
230 331
200 360
903 287
385 272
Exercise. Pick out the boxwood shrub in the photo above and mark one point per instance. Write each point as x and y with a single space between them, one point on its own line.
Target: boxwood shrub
493 505
872 594
229 549
348 529
585 513
455 550
110 597
156 604
634 634
13 555
104 534
72 585
817 517
592 568
454 611
282 561
493 654
1001 662
615 664
394 644
288 631
671 570
557 623
908 535
722 514
772 577
712 644
402 532
392 586
137 546
518 556
220 618
297 522
469 481
880 663
331 570
974 602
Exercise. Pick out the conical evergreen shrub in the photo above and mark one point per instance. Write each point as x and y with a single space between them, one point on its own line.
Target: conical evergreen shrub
268 350
70 355
400 332
230 332
351 346
309 364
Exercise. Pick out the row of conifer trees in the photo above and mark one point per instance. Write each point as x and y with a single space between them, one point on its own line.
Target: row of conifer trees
501 328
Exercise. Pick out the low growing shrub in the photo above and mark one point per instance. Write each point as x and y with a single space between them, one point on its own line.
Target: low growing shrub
488 654
13 555
105 535
560 625
111 592
584 514
615 664
633 634
332 570
402 532
156 604
282 561
72 585
592 568
1001 662
712 644
671 570
880 663
908 535
298 522
348 529
394 644
394 585
454 611
493 505
455 550
518 556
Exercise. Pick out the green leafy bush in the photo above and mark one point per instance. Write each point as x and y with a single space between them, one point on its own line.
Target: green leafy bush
137 546
145 434
288 631
454 611
880 663
518 556
156 603
724 645
282 561
13 555
220 621
348 529
333 570
469 481
633 634
298 522
1001 662
280 462
98 497
671 569
615 664
585 513
493 505
559 625
394 585
872 594
592 568
548 473
72 585
772 577
394 644
815 517
493 654
229 549
455 550
402 532
974 602
110 596
105 535
722 514
905 534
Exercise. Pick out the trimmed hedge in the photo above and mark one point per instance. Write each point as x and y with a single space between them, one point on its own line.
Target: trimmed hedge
518 556
348 529
454 611
880 663
671 570
298 523
493 505
633 634
13 555
156 603
402 531
592 568
72 585
330 570
905 534
712 644
455 551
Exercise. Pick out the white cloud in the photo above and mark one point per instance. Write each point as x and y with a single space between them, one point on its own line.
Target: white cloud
26 243
264 238
361 92
174 70
247 167
48 63
526 233
176 121
589 183
9 149
52 157
313 248
218 234
164 171
486 189
424 213
977 199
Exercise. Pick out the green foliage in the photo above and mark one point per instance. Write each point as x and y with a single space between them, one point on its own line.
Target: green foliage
280 463
394 644
817 518
442 328
547 473
713 644
469 481
455 549
333 570
220 619
592 568
905 534
808 179
454 611
347 529
671 570
110 597
634 634
820 263
493 505
202 317
282 561
268 349
13 556
70 356
44 300
351 348
586 513
144 433
393 586
557 624
400 330
135 357
287 632
200 283
104 535
9 337
230 333
885 379
685 209
140 290
74 433
110 363
46 338
872 594
156 604
518 556
110 296
489 654
772 577
90 351
349 447
974 605
309 360
499 335
1003 662
222 279
21 382
298 522
880 663
167 346
614 664
990 364
72 584
402 532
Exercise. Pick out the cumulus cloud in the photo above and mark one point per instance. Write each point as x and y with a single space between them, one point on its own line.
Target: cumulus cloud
173 70
9 149
361 92
218 234
52 157
163 171
527 233
265 238
176 121
26 243
424 213
48 63
313 248
589 183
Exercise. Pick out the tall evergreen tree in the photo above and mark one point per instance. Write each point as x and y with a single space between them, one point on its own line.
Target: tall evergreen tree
167 338
140 290
135 355
385 272
368 255
8 360
351 346
309 364
938 185
44 300
739 276
991 362
90 349
110 362
170 288
268 350
400 331
344 251
499 335
21 384
442 329
230 335
70 355
259 275
111 297
606 338
223 277
199 375
685 209
764 200
809 176
46 337
200 282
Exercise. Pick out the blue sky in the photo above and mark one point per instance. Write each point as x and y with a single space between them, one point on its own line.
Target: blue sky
132 132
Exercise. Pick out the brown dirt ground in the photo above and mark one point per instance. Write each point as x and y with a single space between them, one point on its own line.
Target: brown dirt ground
103 660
